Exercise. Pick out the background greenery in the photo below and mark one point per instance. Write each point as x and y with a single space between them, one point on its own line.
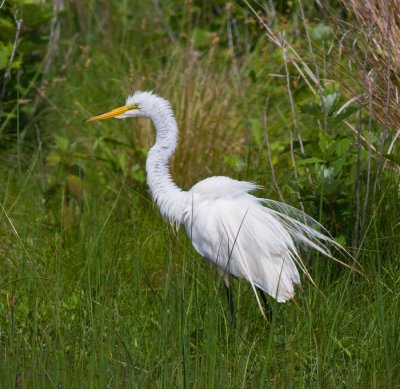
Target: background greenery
96 290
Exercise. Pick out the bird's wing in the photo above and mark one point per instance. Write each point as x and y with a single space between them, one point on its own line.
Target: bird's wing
249 237
233 230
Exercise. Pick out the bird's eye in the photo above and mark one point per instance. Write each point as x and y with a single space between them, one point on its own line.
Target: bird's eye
133 106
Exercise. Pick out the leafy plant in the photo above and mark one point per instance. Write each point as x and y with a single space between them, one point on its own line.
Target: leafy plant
24 35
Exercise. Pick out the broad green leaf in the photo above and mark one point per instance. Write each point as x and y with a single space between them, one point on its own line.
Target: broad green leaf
36 14
342 146
330 102
334 120
16 64
312 109
6 24
5 52
324 141
311 161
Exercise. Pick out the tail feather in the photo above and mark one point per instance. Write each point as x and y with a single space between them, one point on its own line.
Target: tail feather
306 232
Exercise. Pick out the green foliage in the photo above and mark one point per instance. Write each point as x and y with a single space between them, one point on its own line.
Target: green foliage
24 33
123 300
330 158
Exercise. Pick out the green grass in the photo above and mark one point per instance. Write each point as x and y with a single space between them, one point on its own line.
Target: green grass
122 300
97 291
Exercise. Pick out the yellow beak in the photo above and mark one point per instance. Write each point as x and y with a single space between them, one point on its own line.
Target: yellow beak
107 115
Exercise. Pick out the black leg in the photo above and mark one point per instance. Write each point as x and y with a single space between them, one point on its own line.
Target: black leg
231 304
268 309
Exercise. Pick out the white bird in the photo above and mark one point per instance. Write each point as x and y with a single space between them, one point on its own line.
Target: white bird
244 236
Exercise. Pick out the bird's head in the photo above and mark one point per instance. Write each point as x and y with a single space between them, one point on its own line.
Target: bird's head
140 104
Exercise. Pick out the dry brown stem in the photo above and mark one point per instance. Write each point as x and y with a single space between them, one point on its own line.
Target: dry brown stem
378 32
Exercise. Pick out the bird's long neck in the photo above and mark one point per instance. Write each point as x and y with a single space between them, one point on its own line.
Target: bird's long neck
169 198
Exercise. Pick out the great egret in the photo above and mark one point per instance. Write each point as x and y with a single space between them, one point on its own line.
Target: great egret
241 234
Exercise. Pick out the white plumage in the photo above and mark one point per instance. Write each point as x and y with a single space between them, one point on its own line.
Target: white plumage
233 230
241 234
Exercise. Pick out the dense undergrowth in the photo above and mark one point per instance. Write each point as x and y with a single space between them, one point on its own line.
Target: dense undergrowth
97 291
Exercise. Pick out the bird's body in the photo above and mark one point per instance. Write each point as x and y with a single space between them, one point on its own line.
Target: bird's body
241 234
233 230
